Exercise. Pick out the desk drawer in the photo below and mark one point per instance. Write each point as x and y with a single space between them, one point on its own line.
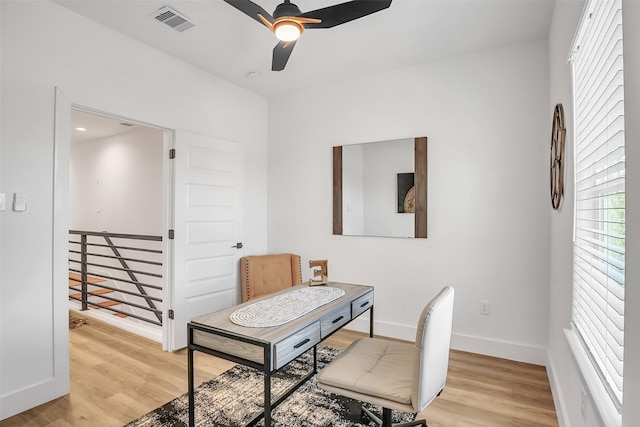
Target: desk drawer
254 353
294 345
363 303
335 319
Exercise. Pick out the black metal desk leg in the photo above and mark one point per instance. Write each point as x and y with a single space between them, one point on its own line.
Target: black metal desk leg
315 359
371 322
190 375
267 399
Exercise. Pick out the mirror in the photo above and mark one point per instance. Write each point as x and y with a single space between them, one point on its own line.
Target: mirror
380 189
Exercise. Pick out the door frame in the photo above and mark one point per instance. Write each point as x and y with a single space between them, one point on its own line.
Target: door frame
61 211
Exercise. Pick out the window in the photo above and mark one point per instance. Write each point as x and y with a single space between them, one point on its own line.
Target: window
599 248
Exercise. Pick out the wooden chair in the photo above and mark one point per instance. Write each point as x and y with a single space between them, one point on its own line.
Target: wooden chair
265 274
395 375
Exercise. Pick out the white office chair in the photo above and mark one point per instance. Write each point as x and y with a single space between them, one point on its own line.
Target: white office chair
394 375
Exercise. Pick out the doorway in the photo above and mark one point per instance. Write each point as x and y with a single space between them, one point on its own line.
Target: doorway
202 207
118 221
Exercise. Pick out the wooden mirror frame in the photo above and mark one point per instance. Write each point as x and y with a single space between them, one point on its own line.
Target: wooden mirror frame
420 182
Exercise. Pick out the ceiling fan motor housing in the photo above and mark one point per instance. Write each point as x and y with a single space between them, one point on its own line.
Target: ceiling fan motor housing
286 9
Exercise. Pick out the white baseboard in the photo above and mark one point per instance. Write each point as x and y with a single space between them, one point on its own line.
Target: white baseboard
503 349
383 329
151 332
556 392
29 397
489 347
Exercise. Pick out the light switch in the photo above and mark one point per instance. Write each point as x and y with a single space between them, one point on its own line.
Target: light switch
19 202
3 204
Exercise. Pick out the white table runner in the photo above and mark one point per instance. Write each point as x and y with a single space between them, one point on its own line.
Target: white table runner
284 308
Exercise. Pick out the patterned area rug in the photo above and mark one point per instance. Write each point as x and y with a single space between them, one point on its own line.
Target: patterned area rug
231 399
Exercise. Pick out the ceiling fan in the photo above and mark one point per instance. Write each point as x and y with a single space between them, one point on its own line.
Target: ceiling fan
288 23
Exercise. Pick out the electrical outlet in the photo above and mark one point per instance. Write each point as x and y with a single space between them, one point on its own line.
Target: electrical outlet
3 204
484 307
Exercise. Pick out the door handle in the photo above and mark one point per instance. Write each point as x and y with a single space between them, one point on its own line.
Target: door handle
237 245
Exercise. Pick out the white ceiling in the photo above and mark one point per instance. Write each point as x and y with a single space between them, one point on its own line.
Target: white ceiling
96 126
229 44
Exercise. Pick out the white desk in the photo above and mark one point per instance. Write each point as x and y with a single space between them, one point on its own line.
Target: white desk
269 349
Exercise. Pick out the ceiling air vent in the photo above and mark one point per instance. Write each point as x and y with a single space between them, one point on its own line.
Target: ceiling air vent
172 18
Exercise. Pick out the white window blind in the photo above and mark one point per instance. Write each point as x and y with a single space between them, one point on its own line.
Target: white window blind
599 249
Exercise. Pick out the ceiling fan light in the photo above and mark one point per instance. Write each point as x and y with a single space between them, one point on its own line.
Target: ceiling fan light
287 31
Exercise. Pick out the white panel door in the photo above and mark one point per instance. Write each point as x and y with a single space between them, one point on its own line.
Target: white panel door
208 225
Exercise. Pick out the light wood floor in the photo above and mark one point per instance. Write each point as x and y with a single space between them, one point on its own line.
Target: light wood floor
117 377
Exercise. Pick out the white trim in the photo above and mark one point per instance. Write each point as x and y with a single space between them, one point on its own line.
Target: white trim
60 237
167 244
519 352
383 329
583 22
558 396
97 112
603 403
152 332
489 347
29 397
58 384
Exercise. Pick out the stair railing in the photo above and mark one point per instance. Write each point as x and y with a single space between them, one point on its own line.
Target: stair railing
89 267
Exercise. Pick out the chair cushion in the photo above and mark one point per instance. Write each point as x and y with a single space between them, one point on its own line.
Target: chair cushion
374 367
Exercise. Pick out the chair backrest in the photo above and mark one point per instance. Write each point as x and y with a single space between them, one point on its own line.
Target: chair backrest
264 274
433 340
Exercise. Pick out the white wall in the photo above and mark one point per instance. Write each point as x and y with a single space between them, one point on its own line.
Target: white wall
566 380
43 46
485 116
116 184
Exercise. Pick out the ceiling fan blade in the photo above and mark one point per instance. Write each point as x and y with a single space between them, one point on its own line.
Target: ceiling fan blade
281 54
344 12
252 10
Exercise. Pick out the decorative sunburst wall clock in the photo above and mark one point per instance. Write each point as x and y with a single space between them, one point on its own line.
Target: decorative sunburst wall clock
556 167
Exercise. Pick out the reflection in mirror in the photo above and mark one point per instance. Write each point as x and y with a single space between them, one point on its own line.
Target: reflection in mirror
380 189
